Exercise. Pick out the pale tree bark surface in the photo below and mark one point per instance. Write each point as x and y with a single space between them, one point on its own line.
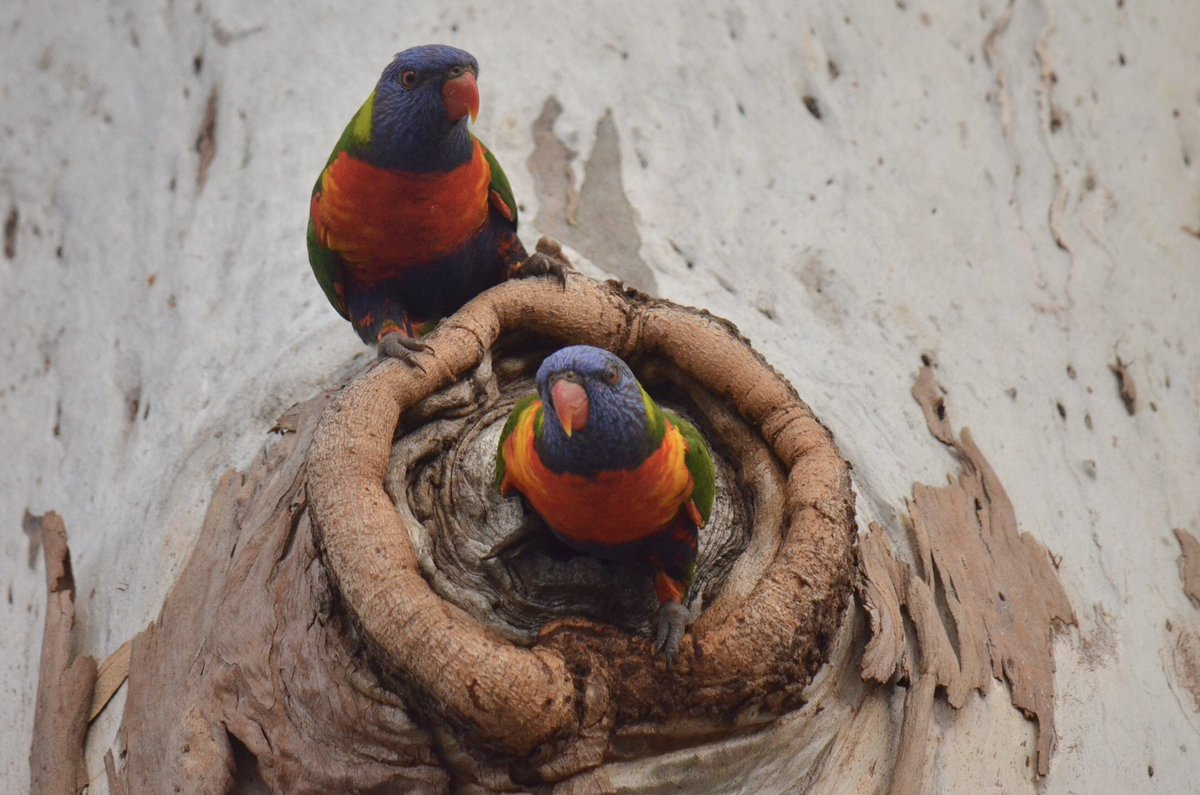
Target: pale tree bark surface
1008 189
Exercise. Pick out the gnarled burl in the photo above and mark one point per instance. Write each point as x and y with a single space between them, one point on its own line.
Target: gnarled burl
340 626
564 695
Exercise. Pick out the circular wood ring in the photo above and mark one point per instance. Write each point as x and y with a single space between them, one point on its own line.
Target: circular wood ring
515 698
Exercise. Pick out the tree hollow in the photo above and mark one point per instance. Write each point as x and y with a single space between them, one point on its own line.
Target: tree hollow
545 656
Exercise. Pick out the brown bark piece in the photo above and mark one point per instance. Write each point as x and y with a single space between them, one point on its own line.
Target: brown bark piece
247 663
884 593
1189 565
113 673
1001 594
64 681
890 584
912 758
931 398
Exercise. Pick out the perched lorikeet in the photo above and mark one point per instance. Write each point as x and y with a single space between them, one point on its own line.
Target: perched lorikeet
412 216
611 473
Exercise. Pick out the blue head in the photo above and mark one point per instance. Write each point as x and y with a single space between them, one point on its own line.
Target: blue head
422 102
595 418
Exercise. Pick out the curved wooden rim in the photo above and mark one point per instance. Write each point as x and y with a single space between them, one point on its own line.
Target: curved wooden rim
515 698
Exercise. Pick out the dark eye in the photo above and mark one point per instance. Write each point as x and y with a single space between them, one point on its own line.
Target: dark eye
408 78
611 374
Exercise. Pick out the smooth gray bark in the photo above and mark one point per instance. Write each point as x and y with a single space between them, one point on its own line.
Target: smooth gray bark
1009 188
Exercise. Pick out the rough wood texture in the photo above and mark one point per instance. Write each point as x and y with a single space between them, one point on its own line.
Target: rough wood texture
1001 594
252 673
113 673
258 562
441 478
64 690
556 701
911 773
251 676
247 675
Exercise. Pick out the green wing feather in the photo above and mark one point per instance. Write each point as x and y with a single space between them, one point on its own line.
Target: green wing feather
518 411
357 135
499 181
697 458
326 264
699 463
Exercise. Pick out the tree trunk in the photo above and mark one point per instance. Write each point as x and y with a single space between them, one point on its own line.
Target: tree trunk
991 210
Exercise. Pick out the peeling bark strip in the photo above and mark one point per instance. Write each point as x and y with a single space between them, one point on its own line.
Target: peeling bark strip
246 662
999 586
64 683
910 775
114 672
1189 565
553 702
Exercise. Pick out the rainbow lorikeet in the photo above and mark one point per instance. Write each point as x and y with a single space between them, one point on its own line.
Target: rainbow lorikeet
412 216
612 474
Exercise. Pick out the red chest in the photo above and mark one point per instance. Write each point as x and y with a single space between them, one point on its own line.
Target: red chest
610 508
382 222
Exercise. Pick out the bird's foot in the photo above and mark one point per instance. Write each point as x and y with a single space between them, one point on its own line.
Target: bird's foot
669 625
548 260
400 346
517 538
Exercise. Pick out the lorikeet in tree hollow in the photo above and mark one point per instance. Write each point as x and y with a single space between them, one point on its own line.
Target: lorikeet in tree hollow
611 473
412 216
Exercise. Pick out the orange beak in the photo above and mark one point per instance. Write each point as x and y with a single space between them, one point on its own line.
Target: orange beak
570 405
462 97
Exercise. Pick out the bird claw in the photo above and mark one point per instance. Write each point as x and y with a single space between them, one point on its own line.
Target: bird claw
669 625
404 348
548 260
